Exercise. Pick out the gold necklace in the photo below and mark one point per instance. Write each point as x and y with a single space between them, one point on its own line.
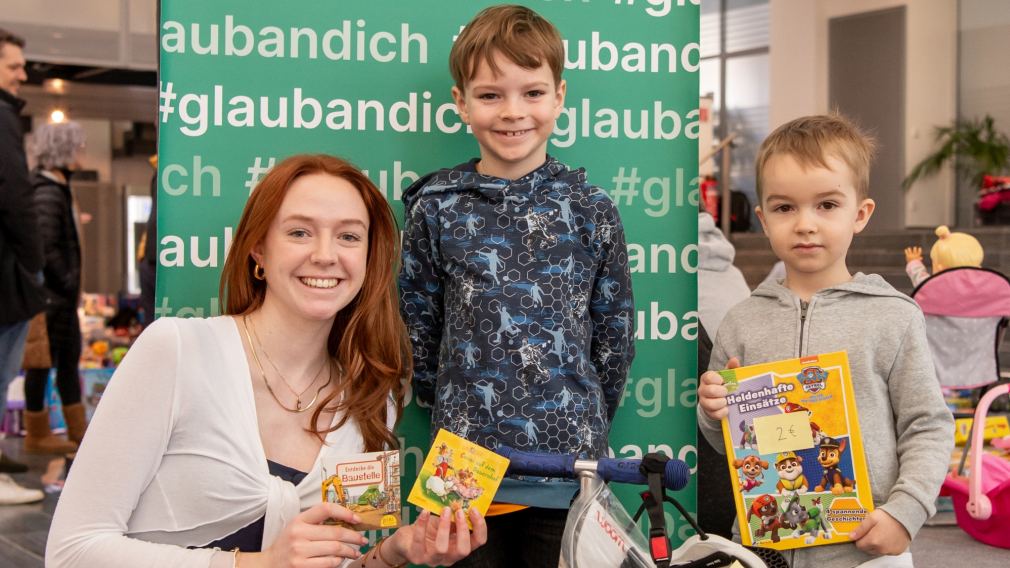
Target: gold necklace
298 395
298 403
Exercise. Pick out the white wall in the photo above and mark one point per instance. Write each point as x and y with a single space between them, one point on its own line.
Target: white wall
798 71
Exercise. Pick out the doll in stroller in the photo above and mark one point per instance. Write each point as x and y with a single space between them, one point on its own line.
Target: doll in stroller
967 308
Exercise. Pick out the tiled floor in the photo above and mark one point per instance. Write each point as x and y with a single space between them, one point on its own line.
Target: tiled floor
23 528
23 531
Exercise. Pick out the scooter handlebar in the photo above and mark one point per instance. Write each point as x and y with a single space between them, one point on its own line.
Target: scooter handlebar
676 474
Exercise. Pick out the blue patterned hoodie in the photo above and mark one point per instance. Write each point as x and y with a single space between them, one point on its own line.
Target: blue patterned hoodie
517 297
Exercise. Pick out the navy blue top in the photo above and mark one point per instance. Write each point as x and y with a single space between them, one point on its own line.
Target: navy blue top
250 537
517 295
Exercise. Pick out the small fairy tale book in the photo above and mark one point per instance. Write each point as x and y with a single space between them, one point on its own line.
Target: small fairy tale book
457 474
369 485
795 452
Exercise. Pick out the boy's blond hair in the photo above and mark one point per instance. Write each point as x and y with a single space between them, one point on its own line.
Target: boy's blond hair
811 139
516 32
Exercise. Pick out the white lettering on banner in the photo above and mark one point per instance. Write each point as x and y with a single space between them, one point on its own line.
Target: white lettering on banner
199 111
639 262
688 329
633 57
165 309
655 191
172 250
390 182
648 393
608 123
336 44
401 180
688 454
417 453
175 176
659 8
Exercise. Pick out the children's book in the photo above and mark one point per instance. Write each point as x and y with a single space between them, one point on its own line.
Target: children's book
457 474
369 485
795 452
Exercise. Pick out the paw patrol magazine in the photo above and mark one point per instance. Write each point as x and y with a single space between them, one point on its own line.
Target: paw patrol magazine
795 452
368 484
457 474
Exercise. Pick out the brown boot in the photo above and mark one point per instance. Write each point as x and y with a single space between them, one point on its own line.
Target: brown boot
40 439
73 414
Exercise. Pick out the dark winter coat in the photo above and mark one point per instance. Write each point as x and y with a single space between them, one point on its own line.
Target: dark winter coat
61 245
20 247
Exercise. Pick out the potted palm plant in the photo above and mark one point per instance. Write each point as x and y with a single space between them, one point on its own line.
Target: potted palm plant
981 154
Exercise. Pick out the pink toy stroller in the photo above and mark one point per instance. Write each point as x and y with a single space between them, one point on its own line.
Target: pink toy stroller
966 311
982 505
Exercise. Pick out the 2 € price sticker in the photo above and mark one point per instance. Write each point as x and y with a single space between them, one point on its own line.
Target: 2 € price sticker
783 433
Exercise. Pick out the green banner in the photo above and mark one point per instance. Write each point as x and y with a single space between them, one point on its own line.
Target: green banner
245 84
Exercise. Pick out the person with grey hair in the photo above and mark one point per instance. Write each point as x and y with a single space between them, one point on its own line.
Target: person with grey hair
55 148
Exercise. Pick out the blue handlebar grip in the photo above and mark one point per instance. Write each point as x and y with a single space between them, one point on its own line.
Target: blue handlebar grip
675 475
620 470
529 463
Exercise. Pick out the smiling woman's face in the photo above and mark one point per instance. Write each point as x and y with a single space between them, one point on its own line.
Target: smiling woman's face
316 250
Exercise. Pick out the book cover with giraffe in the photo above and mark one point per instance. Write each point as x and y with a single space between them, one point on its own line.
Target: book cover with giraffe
457 474
369 485
795 452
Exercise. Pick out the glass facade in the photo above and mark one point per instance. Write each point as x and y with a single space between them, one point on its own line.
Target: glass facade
734 70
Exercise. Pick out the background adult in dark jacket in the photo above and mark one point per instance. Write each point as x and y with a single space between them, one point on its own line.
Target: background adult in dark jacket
54 149
20 249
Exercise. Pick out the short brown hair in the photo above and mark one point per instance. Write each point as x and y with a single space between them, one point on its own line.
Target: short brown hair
12 38
811 139
517 32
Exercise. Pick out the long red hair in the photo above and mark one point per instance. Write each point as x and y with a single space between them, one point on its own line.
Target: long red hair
368 338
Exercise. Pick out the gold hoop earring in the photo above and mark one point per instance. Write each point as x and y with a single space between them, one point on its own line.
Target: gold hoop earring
259 273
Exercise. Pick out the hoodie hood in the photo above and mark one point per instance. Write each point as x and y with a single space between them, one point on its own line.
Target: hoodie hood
465 177
714 251
864 284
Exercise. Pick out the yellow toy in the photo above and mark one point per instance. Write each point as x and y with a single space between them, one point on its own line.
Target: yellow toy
951 250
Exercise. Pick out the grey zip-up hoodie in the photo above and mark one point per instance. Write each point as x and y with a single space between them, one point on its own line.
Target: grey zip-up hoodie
908 433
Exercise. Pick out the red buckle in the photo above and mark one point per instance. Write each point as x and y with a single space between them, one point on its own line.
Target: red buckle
659 547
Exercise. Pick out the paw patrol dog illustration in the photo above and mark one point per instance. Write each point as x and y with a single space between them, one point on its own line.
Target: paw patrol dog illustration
830 453
767 509
790 469
751 471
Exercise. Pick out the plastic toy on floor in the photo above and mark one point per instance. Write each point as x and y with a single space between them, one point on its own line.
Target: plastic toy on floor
982 500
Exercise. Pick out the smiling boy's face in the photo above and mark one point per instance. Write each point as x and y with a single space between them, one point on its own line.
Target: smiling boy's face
512 114
810 214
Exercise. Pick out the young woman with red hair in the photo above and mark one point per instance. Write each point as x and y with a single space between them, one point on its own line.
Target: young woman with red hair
207 447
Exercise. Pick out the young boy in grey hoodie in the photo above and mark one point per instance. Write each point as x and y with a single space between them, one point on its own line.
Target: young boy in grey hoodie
813 177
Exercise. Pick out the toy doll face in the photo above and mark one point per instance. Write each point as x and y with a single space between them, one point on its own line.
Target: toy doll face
810 215
511 114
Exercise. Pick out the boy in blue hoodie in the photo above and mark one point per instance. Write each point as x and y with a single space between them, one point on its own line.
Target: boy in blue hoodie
514 283
813 180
